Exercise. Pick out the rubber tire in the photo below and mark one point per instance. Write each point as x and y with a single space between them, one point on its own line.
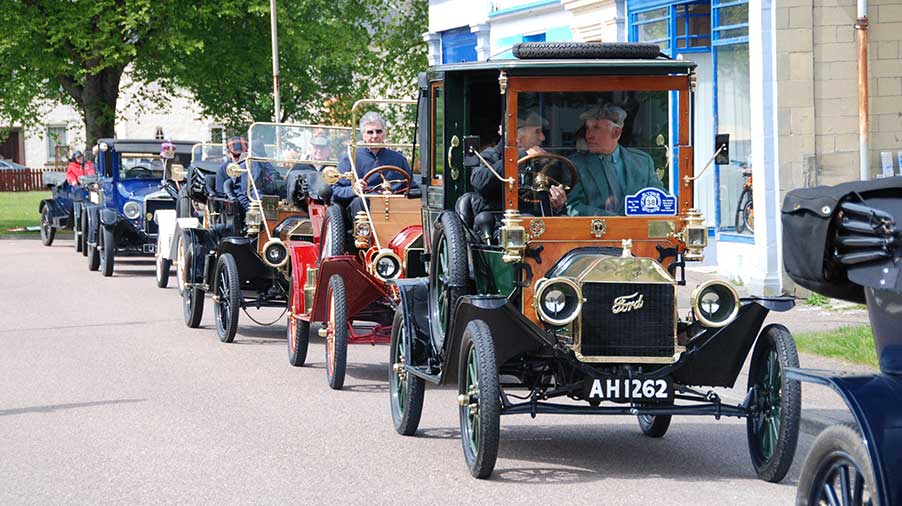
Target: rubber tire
76 230
298 334
740 220
163 265
449 229
229 289
405 414
107 252
777 337
749 215
84 233
591 50
192 298
93 254
654 425
337 361
332 238
834 443
47 230
180 257
478 336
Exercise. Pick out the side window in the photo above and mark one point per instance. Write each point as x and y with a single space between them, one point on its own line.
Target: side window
438 134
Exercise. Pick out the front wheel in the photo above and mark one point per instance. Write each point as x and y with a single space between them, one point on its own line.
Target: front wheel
192 298
83 237
406 389
76 230
228 298
479 397
298 332
47 230
337 333
107 251
163 266
773 422
838 466
654 425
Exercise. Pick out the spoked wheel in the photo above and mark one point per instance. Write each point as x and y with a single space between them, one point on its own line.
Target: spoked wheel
227 302
773 421
749 213
654 425
47 230
107 251
337 333
479 396
406 389
192 298
837 471
83 237
181 271
447 271
745 201
298 333
163 266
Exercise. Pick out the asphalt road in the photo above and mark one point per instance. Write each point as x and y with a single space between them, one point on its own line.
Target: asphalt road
107 398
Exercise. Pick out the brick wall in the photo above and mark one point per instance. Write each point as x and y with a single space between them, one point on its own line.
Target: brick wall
817 74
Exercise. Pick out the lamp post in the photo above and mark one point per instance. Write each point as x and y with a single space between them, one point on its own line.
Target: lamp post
277 105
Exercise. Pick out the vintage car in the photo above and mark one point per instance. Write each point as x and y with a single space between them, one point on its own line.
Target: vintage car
63 209
844 242
351 280
242 256
129 176
534 308
206 158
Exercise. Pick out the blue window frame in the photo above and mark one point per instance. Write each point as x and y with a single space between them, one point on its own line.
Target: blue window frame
458 45
684 27
729 22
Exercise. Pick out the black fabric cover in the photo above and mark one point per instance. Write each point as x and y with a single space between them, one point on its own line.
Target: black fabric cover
808 217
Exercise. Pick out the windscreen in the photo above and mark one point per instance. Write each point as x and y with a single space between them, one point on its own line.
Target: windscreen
208 152
145 166
301 147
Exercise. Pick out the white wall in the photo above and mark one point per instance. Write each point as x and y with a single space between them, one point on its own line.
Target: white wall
527 22
448 14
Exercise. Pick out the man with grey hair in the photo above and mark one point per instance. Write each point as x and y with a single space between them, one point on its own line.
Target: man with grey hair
608 172
372 131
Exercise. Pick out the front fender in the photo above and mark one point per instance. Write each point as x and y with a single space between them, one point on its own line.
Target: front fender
302 254
93 214
57 214
876 403
108 217
198 241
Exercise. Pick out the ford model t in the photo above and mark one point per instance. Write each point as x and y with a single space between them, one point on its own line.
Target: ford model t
844 242
362 253
240 252
129 176
555 256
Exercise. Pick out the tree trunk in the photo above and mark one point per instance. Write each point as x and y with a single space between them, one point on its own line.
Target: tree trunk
96 97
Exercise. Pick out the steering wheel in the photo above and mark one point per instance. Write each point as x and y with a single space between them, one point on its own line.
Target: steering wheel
385 187
139 171
542 180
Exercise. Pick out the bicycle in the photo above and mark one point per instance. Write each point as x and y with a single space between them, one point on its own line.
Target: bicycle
745 208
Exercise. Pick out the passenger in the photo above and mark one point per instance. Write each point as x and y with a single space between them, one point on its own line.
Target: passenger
77 168
608 172
373 130
529 139
235 147
320 151
264 179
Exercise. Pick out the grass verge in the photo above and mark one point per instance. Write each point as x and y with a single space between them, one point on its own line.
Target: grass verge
853 344
20 209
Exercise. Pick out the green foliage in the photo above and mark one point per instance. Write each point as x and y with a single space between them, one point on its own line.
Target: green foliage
853 344
20 209
816 299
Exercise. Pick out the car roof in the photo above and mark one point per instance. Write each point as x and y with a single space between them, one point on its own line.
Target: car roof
573 67
146 145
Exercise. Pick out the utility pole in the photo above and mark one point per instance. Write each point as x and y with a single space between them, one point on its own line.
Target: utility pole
277 104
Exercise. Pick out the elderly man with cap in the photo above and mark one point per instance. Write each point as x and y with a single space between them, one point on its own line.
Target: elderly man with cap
529 139
608 172
320 151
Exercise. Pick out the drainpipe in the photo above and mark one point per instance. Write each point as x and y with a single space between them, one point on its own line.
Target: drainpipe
861 25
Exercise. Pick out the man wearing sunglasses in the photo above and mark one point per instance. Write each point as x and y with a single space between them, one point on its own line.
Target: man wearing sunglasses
372 130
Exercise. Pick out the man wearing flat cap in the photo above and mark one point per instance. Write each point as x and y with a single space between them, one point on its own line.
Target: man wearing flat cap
608 172
529 139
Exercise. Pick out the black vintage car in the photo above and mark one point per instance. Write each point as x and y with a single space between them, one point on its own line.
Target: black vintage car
130 191
531 307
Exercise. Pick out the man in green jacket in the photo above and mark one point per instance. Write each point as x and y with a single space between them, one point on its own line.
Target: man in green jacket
608 172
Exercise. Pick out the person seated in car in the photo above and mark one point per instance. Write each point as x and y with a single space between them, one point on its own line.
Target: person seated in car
264 177
235 147
320 151
607 171
77 168
530 136
373 130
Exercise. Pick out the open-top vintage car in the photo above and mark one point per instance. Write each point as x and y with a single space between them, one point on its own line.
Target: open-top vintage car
205 160
129 174
242 255
360 257
63 209
536 308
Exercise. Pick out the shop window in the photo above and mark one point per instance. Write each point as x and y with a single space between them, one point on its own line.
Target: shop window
57 149
653 27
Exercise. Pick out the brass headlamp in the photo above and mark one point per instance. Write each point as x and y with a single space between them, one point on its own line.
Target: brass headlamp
362 230
513 237
254 217
695 235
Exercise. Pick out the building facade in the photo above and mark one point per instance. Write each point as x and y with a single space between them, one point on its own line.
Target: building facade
780 78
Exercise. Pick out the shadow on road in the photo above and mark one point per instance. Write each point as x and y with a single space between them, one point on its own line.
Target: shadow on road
59 407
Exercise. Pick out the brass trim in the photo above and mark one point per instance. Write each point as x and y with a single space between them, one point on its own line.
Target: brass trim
310 288
542 285
536 228
382 254
694 298
274 242
661 229
599 227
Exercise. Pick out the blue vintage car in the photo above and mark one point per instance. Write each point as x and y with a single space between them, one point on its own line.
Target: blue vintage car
62 210
129 191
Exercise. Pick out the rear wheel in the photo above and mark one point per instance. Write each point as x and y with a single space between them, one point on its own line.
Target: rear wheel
838 470
406 389
192 298
76 230
163 266
654 425
47 230
83 237
337 333
181 271
447 271
479 397
773 422
228 298
107 251
93 254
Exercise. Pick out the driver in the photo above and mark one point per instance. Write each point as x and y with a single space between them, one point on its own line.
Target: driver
608 172
373 130
529 139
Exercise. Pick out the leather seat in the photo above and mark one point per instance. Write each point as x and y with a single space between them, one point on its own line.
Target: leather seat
477 216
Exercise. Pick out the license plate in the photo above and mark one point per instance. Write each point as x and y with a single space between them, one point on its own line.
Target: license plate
632 389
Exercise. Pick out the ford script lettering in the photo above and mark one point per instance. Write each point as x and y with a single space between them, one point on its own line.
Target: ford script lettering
628 303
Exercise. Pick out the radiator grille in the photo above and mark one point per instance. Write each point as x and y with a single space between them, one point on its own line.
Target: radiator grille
641 332
151 206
